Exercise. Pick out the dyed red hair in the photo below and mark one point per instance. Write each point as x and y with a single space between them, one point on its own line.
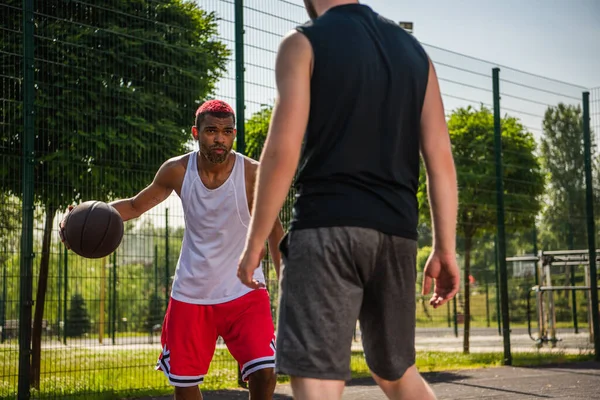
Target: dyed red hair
214 106
218 108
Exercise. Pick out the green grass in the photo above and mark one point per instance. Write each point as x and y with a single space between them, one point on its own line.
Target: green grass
438 318
435 361
106 374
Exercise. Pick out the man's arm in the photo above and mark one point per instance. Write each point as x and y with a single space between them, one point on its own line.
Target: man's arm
277 232
154 194
281 153
442 188
274 239
439 165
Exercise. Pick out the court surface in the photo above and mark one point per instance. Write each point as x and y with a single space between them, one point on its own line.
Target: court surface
569 381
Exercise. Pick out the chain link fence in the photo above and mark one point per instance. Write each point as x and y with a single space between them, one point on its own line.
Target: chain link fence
113 88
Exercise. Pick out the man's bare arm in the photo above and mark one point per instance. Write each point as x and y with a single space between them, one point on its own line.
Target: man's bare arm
277 232
281 152
154 194
439 165
274 239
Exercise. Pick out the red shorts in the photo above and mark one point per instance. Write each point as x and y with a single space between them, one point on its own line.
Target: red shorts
190 333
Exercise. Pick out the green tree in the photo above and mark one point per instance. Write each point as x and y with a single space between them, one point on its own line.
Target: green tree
78 319
563 220
115 92
472 135
256 130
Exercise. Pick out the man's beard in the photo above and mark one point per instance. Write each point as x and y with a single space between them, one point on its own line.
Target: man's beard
310 9
214 157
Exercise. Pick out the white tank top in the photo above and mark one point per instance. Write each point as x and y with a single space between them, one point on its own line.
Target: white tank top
216 224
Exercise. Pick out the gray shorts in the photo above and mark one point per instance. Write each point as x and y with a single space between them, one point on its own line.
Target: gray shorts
332 277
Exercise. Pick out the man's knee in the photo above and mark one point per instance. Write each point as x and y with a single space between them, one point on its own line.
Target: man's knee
265 376
410 385
187 393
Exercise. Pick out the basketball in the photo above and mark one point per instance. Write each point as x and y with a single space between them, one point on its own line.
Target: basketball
93 229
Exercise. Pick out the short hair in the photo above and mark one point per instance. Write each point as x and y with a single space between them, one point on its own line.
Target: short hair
216 108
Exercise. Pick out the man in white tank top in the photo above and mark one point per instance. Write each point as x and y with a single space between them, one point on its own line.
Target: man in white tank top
216 188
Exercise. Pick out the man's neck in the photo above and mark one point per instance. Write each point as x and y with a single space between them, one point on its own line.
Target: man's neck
211 169
323 6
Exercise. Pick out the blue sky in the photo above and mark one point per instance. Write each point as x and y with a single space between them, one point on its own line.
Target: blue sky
555 38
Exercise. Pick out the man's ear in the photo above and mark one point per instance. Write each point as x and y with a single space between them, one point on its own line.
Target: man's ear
195 132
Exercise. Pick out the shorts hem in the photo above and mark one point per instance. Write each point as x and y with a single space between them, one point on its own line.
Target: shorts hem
391 376
256 365
176 380
296 372
181 381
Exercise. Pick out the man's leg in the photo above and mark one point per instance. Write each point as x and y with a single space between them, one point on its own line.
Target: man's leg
188 339
316 389
388 321
262 384
187 393
246 326
410 387
321 294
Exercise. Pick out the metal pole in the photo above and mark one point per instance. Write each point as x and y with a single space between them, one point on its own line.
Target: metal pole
535 251
156 271
487 298
496 275
166 258
26 267
455 319
3 305
114 299
102 299
239 76
59 285
574 300
65 293
500 215
591 229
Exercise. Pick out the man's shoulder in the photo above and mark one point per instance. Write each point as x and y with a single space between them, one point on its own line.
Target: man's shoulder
250 164
250 170
176 166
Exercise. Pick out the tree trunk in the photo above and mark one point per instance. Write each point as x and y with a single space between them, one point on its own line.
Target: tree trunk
36 334
467 295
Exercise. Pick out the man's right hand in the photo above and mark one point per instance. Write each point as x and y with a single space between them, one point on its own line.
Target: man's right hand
62 225
443 268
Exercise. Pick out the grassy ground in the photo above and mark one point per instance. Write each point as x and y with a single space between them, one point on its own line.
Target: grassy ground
116 374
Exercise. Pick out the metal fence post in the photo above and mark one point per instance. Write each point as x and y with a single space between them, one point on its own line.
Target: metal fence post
497 277
26 267
114 299
59 286
156 272
455 316
240 94
239 76
65 293
591 229
500 215
3 305
574 301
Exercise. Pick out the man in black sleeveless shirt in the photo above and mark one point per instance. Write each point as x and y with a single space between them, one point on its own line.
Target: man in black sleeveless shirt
358 101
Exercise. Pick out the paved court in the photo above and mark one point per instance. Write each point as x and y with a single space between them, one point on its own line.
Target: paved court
570 381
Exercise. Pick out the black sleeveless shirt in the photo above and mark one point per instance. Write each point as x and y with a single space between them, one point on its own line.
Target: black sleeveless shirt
360 159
